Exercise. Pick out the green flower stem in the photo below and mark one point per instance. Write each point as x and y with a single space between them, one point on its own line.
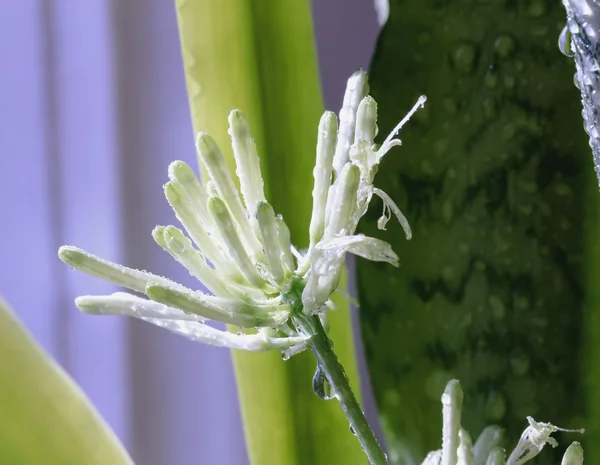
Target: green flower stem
322 347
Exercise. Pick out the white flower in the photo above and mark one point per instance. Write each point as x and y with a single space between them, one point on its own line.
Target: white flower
240 250
457 448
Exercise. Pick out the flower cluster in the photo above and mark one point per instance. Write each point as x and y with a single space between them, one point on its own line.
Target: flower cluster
240 250
458 448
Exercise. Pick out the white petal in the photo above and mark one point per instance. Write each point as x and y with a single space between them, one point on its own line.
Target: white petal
327 260
367 247
389 203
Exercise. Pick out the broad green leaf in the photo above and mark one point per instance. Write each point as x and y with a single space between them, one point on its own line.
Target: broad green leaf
45 418
496 179
260 57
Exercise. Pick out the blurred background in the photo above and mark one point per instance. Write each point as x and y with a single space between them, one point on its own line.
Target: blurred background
93 109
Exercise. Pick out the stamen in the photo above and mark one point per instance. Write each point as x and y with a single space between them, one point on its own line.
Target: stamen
420 104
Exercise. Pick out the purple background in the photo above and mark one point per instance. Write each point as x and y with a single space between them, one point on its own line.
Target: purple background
92 110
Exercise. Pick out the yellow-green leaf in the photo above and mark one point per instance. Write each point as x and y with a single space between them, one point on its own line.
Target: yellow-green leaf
45 418
260 57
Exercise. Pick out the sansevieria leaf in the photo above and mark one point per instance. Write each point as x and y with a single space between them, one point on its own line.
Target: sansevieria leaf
260 57
497 287
45 418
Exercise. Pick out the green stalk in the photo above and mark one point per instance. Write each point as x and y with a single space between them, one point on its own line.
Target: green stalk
321 347
260 57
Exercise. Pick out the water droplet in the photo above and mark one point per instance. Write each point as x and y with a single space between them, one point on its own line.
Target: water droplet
321 386
285 356
504 46
464 57
573 26
352 430
564 42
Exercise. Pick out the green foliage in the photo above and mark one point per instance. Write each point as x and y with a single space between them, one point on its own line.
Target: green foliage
496 179
44 417
260 57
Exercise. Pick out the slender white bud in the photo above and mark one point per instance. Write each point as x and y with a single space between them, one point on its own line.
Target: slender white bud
451 414
322 174
356 89
573 455
497 457
268 230
213 160
366 120
465 449
489 438
343 204
135 280
173 241
227 310
247 161
224 222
